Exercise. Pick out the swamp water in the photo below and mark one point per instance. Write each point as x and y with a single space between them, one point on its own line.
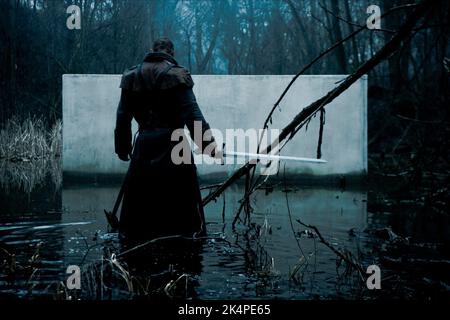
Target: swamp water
47 228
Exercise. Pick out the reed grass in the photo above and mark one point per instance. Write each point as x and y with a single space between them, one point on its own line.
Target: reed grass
28 152
29 140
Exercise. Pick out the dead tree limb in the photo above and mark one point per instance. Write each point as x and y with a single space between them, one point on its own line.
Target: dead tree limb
321 55
310 64
292 128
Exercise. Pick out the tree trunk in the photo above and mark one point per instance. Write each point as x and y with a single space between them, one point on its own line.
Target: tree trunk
341 59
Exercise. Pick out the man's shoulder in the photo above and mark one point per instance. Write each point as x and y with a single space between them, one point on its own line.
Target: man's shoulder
177 76
128 77
130 70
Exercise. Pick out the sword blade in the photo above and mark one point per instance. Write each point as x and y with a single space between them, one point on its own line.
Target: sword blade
271 157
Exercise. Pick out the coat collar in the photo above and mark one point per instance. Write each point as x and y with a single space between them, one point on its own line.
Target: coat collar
158 56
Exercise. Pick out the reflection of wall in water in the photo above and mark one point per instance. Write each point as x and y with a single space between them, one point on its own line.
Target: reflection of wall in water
333 212
325 208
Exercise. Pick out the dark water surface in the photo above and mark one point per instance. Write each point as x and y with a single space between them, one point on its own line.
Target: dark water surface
274 256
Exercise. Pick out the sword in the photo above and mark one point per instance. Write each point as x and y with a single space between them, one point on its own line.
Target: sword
271 157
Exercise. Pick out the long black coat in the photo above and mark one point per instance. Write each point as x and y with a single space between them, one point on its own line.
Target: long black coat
161 198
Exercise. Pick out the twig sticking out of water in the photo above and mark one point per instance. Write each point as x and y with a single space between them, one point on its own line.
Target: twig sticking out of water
341 255
303 260
172 284
122 272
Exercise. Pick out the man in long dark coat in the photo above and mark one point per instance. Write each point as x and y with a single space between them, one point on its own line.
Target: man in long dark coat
161 198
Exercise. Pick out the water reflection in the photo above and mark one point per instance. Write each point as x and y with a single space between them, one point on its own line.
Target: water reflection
26 176
280 244
274 256
30 230
259 260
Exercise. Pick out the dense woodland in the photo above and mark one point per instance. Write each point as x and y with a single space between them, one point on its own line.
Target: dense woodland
408 93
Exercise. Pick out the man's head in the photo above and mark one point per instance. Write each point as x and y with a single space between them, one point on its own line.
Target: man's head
164 45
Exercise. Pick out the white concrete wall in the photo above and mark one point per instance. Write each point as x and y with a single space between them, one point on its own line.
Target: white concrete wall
90 102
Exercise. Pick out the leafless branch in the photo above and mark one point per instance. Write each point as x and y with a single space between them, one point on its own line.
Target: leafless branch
300 119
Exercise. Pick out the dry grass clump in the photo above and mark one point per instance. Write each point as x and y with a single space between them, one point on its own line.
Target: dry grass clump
29 140
28 151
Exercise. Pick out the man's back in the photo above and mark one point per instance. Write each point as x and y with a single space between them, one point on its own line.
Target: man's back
157 94
161 198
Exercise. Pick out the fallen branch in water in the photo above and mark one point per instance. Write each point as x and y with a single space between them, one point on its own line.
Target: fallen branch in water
320 56
311 63
301 118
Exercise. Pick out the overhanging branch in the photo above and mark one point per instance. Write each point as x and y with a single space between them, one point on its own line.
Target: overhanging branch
300 119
